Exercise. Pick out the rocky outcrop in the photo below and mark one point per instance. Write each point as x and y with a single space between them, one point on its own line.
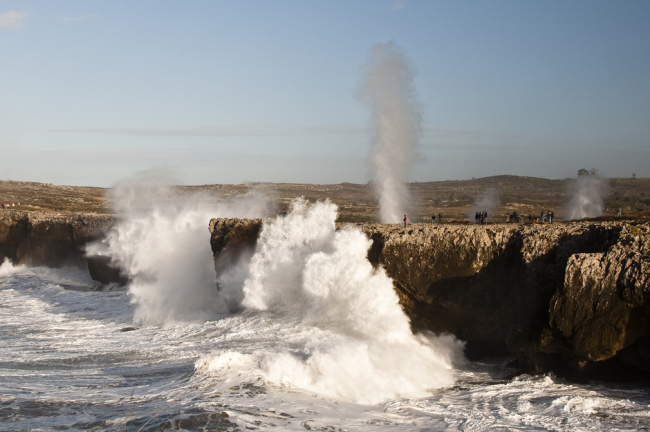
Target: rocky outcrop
601 313
55 240
571 298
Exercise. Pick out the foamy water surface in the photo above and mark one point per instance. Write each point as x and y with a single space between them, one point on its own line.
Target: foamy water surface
65 364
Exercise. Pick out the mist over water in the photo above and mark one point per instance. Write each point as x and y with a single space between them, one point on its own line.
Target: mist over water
587 194
162 243
387 88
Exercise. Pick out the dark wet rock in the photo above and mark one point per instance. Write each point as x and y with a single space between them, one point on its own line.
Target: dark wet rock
571 298
218 421
232 241
128 329
232 236
102 270
56 240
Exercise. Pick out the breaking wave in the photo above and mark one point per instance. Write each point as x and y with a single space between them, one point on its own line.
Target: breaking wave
350 338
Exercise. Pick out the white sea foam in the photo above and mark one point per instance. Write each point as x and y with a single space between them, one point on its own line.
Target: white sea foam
353 340
64 364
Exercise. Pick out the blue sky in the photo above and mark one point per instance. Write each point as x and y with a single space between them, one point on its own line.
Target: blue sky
234 91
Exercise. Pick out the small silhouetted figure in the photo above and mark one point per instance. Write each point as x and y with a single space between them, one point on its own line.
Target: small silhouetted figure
619 212
550 217
433 219
439 217
543 216
404 221
530 218
485 217
477 217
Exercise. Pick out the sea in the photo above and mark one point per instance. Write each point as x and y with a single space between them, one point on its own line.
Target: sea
301 334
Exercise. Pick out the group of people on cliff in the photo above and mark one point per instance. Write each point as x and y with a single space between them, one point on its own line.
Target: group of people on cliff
514 217
433 218
481 217
6 205
547 216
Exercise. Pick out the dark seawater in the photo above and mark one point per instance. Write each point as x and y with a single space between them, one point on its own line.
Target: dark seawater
66 364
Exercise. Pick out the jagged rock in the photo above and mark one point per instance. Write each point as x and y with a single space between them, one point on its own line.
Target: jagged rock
55 240
232 240
563 297
102 270
236 234
603 308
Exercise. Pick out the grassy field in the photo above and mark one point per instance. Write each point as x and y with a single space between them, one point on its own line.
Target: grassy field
454 199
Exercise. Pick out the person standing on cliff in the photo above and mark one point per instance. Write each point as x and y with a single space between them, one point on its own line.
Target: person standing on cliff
440 217
404 221
433 219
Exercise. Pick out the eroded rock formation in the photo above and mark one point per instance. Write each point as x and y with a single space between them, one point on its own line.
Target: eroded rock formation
55 240
571 298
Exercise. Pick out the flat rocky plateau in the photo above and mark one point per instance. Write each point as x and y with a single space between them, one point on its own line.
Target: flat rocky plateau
356 202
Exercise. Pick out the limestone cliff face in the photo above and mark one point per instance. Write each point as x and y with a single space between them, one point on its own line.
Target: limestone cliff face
602 311
566 297
55 240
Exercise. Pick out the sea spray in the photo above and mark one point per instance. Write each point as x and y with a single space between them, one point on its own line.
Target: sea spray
387 88
586 193
487 201
161 242
350 339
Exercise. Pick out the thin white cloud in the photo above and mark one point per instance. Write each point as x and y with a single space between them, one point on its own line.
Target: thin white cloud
398 5
79 17
12 20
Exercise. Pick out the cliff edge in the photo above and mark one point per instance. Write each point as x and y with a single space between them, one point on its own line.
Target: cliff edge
56 240
571 298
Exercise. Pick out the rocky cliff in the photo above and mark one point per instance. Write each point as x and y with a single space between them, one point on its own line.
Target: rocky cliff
55 240
571 298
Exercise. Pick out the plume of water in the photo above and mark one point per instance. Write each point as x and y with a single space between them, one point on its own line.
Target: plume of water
161 241
387 88
587 194
487 201
351 339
